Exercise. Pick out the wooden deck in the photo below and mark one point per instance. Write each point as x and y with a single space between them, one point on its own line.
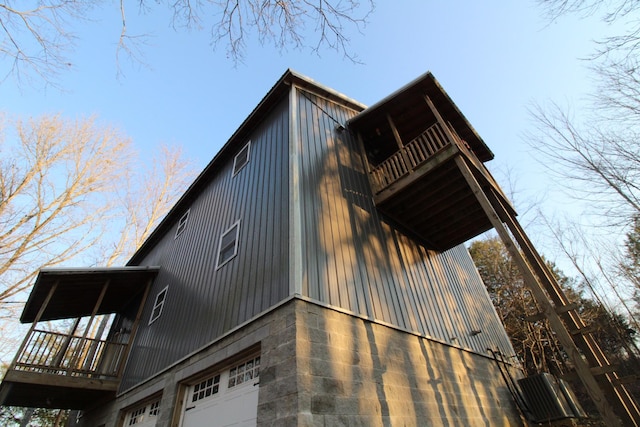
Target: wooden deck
54 370
421 188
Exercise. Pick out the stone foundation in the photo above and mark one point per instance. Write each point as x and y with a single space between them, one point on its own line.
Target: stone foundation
322 367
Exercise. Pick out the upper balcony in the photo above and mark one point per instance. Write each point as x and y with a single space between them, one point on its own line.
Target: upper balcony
414 141
73 369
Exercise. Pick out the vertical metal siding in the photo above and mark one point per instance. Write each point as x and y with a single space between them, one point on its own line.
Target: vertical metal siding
356 260
204 302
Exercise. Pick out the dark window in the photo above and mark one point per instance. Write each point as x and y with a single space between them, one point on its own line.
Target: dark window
242 158
157 306
228 247
206 388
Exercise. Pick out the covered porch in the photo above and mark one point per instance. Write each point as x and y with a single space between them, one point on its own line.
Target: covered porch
418 148
73 369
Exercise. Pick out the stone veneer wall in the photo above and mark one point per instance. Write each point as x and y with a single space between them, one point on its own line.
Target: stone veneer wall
321 367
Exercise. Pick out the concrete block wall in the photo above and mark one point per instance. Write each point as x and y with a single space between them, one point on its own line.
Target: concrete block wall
353 372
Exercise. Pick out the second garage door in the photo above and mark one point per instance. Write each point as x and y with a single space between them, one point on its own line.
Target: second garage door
225 399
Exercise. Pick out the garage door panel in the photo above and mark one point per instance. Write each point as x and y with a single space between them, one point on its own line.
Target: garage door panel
225 399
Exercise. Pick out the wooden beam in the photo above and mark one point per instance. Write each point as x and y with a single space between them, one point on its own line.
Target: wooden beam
619 396
62 381
96 307
134 328
565 338
394 131
43 307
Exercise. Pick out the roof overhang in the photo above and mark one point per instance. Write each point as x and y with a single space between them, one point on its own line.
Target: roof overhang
407 101
77 291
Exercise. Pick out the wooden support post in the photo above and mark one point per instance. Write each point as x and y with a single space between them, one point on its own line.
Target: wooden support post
625 405
65 346
565 338
408 164
78 351
43 307
134 328
396 134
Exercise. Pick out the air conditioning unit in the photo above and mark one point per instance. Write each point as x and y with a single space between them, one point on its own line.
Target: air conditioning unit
550 398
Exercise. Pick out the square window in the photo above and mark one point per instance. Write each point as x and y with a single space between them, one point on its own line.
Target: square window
182 224
244 372
228 247
158 305
206 388
242 158
154 409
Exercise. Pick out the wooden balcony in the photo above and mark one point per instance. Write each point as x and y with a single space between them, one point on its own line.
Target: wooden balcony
417 144
63 371
74 370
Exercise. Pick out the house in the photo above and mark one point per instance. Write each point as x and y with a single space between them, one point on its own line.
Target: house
313 274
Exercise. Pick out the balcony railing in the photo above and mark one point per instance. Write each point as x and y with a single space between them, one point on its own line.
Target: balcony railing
410 157
63 354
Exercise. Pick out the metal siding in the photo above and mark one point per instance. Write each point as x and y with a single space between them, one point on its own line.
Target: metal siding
355 260
204 302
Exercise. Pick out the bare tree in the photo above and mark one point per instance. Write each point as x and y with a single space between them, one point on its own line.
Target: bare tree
147 194
37 36
613 9
73 190
63 184
596 163
55 180
597 157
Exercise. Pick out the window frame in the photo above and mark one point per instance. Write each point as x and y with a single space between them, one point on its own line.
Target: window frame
237 168
182 223
236 242
141 412
158 305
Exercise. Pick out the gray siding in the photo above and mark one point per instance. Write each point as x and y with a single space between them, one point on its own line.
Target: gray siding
354 259
204 302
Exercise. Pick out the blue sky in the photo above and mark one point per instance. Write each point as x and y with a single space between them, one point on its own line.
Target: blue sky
494 58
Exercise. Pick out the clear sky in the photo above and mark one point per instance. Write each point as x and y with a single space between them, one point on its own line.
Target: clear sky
494 58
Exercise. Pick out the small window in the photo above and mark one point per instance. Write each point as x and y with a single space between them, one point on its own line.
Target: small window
182 224
244 372
242 158
206 388
143 415
157 306
228 247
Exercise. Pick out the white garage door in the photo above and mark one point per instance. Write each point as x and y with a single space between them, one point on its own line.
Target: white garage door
225 399
143 416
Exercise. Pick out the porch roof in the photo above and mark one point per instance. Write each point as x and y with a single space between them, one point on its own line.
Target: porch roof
405 107
78 290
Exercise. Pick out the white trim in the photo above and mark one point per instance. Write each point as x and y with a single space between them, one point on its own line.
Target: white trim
295 214
182 223
159 305
237 168
236 239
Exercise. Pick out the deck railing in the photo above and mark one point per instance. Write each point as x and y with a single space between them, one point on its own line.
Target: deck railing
410 157
63 354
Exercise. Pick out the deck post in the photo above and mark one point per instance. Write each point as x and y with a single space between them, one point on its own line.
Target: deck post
78 351
564 336
134 328
43 307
